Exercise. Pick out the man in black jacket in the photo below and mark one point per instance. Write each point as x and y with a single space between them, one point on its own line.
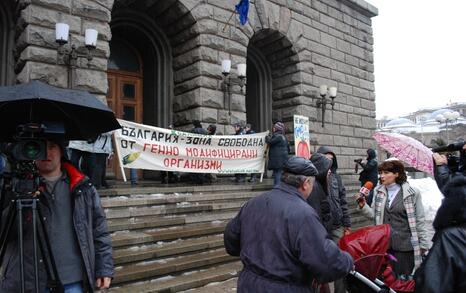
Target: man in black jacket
77 228
444 269
340 219
369 172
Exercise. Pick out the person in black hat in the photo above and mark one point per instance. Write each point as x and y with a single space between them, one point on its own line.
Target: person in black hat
198 128
211 129
280 240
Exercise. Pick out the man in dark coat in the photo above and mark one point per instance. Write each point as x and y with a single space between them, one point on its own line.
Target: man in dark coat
278 151
341 222
319 195
444 269
369 172
77 228
280 240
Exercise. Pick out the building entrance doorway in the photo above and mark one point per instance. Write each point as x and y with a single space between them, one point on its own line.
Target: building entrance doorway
125 91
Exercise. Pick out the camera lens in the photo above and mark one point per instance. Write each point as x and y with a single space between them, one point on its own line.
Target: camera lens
31 150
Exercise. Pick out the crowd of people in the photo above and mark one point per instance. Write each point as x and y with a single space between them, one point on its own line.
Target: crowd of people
285 246
287 238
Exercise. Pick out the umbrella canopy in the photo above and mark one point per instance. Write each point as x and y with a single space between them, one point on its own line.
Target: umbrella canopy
82 114
407 149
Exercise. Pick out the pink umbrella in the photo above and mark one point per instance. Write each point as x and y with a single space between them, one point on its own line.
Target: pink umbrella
407 149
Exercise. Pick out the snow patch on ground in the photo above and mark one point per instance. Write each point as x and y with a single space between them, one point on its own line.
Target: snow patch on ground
431 195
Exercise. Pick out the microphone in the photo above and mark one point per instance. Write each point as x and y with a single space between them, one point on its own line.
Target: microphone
364 192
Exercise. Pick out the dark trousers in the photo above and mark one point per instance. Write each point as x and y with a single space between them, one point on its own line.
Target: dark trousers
277 176
77 158
96 169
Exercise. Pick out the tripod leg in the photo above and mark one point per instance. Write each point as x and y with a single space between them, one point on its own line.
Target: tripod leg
34 244
11 216
19 208
54 283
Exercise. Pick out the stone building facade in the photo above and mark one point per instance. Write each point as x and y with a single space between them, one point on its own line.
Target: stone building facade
159 61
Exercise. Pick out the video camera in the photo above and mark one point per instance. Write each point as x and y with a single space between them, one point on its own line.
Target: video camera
30 144
358 160
455 163
31 141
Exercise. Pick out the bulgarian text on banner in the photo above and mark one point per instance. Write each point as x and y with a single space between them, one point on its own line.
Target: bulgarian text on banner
152 148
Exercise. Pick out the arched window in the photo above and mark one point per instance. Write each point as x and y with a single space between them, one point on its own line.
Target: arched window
123 57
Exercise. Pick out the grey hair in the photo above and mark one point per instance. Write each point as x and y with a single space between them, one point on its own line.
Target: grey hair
295 180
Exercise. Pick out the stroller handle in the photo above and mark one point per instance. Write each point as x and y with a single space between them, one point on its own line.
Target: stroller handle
370 283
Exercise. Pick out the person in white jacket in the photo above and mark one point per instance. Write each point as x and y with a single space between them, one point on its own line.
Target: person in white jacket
398 204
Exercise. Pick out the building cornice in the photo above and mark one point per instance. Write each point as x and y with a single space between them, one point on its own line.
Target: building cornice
362 6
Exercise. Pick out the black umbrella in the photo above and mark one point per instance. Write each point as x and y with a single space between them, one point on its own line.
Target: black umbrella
82 114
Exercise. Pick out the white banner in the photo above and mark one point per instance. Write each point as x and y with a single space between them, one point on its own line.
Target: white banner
146 147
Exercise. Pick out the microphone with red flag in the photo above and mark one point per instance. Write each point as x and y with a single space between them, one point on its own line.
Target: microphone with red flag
364 193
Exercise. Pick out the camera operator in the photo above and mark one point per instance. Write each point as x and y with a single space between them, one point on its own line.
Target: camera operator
369 172
77 228
442 169
445 266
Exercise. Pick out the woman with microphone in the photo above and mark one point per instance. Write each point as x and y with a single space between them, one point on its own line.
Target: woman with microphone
398 204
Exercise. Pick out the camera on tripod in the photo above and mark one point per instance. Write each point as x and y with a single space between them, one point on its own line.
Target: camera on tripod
20 193
358 160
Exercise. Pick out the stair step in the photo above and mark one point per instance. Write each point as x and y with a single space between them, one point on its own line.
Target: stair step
159 250
217 188
156 268
143 223
115 213
163 199
138 223
183 282
125 238
229 285
144 199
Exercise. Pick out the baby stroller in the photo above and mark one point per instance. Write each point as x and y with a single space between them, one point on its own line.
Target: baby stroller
373 272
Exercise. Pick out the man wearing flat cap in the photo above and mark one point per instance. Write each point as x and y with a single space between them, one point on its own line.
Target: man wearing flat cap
280 240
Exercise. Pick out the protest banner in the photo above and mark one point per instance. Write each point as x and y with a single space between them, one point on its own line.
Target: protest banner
301 136
141 146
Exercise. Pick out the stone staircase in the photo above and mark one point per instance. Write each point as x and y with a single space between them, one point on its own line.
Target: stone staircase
170 239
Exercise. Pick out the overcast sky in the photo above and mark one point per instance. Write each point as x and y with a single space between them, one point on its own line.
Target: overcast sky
419 54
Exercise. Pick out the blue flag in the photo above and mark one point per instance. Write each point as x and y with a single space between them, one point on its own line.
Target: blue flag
243 8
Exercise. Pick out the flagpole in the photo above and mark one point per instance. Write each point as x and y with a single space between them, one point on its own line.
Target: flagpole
225 27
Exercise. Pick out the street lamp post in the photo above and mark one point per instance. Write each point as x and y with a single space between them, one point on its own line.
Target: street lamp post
68 55
228 81
324 101
447 117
